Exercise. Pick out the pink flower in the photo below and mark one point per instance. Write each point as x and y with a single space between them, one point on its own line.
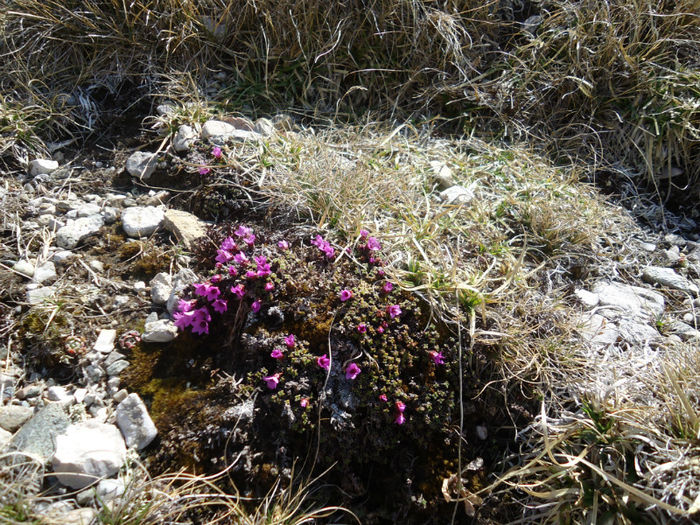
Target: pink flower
269 286
215 278
277 354
220 306
324 362
255 306
352 371
345 295
249 239
232 270
212 293
380 272
242 231
373 244
388 287
204 170
216 151
382 397
238 290
228 244
223 256
400 407
304 402
380 329
207 290
324 246
290 341
400 419
437 357
183 319
393 310
272 381
186 306
241 258
362 328
364 234
250 274
283 245
200 326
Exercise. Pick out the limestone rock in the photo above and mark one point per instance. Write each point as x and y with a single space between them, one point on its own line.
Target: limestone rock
5 438
87 452
141 164
141 221
39 295
12 417
37 436
161 286
45 273
185 226
24 267
42 166
456 195
587 299
184 138
76 230
218 131
105 341
160 331
135 423
669 278
442 174
629 300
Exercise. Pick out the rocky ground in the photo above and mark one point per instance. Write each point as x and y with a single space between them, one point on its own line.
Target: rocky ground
94 256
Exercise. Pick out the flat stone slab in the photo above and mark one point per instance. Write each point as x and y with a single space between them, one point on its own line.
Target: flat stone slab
185 226
135 423
669 278
74 231
37 437
141 221
629 300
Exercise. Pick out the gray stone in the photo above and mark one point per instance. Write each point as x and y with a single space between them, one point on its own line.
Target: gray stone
442 174
160 331
37 436
669 278
109 489
45 273
637 333
29 391
110 214
673 254
117 367
141 164
120 395
185 226
456 195
598 331
76 230
80 394
240 412
81 516
218 131
105 341
96 265
88 209
184 138
648 247
135 423
87 452
94 373
683 330
161 286
141 221
587 299
12 417
630 300
39 295
181 281
24 267
42 166
62 256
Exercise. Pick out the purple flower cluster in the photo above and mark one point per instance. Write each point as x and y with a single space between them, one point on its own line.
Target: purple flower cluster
324 246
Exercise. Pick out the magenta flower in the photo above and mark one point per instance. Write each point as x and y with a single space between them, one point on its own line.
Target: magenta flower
202 313
232 270
345 295
238 290
352 371
213 293
216 278
249 239
228 244
380 272
373 244
241 258
204 170
324 362
186 306
272 381
216 152
388 287
304 402
400 419
283 245
255 306
223 256
220 306
200 326
393 310
437 357
250 274
362 328
269 286
380 329
183 319
243 231
382 397
200 288
277 354
400 407
290 341
364 234
324 246
262 266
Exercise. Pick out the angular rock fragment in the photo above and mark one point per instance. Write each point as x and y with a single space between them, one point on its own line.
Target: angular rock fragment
135 423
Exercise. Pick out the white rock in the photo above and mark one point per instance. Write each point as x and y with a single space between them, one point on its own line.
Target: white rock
637 333
673 254
121 300
80 394
139 286
88 209
45 273
39 295
135 423
218 131
182 280
24 267
442 174
41 166
62 256
648 247
141 164
482 432
141 221
265 127
161 286
456 195
683 330
96 265
109 489
59 394
630 300
669 278
160 331
87 452
587 299
105 341
184 138
81 516
110 214
76 230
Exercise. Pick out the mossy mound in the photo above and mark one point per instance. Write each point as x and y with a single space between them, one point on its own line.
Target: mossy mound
368 384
